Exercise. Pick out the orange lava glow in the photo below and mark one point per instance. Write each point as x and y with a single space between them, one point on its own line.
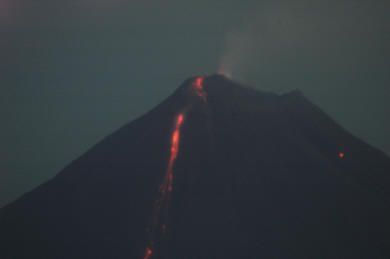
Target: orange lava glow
199 82
158 227
175 141
341 155
148 253
198 85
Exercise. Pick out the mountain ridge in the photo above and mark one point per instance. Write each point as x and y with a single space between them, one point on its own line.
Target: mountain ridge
257 175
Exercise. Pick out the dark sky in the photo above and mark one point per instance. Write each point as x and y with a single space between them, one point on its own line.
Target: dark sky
74 71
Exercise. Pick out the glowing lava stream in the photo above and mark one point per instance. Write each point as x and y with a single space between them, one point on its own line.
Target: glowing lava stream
198 86
166 187
158 226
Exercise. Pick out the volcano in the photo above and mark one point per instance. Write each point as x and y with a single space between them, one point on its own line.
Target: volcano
217 170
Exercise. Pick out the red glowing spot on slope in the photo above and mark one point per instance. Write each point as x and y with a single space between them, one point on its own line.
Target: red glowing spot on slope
180 120
148 253
199 82
341 155
198 86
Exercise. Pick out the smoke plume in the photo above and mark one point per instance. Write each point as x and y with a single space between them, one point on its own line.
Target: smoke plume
308 33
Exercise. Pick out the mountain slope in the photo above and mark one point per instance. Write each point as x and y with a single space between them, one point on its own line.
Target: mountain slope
257 175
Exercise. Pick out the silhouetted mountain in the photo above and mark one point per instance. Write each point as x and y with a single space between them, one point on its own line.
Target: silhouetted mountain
258 175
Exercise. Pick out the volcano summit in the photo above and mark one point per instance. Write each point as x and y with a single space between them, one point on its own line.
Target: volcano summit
217 170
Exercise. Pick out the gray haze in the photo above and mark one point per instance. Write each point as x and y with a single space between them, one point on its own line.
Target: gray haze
74 71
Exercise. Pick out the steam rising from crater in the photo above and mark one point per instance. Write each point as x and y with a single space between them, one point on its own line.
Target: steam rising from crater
289 38
239 45
267 31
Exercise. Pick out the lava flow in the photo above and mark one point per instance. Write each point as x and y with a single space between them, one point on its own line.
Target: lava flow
166 187
198 86
148 253
158 226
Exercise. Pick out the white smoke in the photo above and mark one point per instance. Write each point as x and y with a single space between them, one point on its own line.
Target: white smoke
239 46
270 30
281 33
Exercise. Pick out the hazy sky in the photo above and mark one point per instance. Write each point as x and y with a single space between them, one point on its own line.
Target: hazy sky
74 71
